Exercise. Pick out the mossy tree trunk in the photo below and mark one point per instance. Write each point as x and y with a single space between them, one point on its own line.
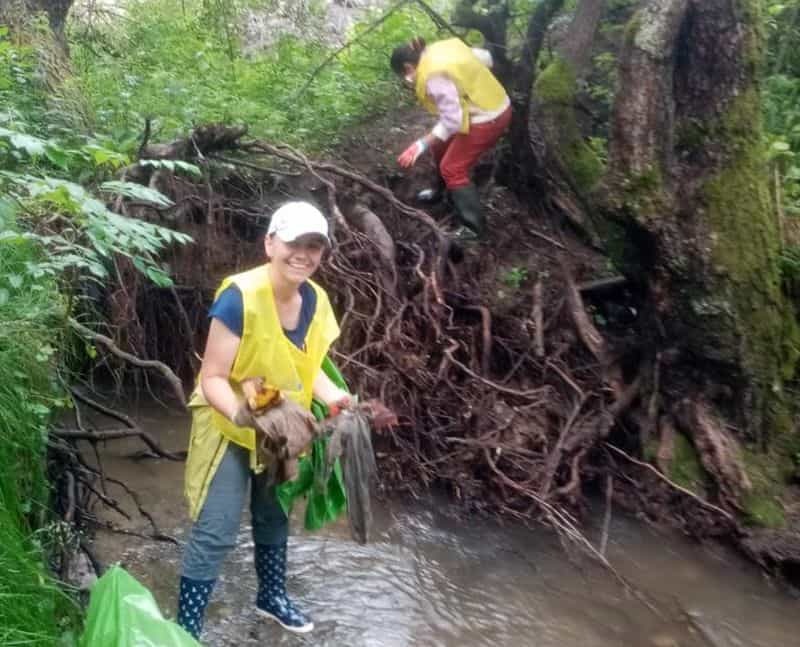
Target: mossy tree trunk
572 167
688 187
17 12
683 208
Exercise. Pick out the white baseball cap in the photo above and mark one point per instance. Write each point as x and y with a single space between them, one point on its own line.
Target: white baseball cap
295 219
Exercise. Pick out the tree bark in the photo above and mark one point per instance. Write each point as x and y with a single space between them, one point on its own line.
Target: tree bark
12 12
526 171
688 185
493 26
559 164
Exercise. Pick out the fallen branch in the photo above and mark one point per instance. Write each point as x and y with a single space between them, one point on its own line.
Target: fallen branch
562 524
166 371
672 484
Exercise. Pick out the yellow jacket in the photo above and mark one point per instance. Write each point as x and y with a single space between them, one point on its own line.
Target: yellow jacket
475 82
264 351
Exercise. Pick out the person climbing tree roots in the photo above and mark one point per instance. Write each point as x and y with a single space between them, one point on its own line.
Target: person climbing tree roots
455 82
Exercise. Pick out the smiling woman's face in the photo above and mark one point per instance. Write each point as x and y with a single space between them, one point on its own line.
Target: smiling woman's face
298 260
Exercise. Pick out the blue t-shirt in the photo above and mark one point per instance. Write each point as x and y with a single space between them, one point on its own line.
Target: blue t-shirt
229 309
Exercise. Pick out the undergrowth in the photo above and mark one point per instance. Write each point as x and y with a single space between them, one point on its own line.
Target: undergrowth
168 62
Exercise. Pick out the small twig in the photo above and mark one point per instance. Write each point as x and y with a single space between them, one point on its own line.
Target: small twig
552 241
562 524
254 167
688 493
145 137
602 285
331 57
652 405
486 333
538 319
607 515
165 370
83 434
499 387
114 434
554 459
438 20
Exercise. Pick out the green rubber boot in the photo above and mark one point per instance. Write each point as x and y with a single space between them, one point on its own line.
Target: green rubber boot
470 211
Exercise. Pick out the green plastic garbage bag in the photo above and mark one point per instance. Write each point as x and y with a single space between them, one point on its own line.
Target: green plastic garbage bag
123 613
326 500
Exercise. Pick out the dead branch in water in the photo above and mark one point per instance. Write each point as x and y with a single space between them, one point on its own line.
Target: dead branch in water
166 371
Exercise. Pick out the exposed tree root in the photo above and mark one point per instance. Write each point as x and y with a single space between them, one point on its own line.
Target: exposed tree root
517 413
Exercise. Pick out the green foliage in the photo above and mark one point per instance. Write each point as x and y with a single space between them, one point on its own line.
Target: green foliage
769 473
55 233
515 276
176 66
31 312
781 95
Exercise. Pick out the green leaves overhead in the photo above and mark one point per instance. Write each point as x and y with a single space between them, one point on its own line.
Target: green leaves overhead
137 192
33 146
93 233
175 166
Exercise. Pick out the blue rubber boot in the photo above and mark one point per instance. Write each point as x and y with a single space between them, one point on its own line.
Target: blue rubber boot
272 601
192 602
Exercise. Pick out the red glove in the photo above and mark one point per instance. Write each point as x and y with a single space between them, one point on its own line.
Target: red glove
410 155
335 408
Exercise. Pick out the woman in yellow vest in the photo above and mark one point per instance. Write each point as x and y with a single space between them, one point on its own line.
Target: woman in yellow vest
453 81
271 322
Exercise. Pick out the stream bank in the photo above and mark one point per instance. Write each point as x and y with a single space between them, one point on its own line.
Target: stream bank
434 576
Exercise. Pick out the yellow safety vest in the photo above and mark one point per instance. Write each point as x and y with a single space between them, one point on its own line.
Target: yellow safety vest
475 82
264 351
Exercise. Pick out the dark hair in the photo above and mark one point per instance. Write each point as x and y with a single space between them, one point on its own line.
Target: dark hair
408 53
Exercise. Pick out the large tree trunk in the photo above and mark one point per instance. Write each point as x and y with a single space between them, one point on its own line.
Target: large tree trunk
688 187
14 12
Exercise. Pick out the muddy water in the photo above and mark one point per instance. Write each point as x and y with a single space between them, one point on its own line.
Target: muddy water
429 579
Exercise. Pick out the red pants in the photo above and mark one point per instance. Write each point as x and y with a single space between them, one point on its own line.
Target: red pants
458 155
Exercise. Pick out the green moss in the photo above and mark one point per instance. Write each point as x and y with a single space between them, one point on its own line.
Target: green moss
632 28
768 474
760 325
640 196
763 511
686 468
555 89
557 83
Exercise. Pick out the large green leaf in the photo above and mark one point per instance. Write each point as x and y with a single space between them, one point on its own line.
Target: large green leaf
33 146
137 192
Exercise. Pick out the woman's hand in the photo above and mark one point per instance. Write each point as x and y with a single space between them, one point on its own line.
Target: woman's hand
331 395
346 401
410 155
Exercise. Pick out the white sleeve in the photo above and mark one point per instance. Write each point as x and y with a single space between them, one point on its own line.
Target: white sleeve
484 56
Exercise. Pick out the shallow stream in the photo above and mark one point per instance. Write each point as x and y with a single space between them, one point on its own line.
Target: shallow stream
429 578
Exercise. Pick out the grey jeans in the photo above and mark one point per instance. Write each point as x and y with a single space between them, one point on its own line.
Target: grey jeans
214 533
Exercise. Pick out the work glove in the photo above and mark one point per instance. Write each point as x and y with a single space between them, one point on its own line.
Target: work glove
410 155
267 435
243 417
283 432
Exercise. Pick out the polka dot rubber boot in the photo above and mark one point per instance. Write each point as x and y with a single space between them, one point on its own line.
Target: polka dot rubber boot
272 601
192 602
